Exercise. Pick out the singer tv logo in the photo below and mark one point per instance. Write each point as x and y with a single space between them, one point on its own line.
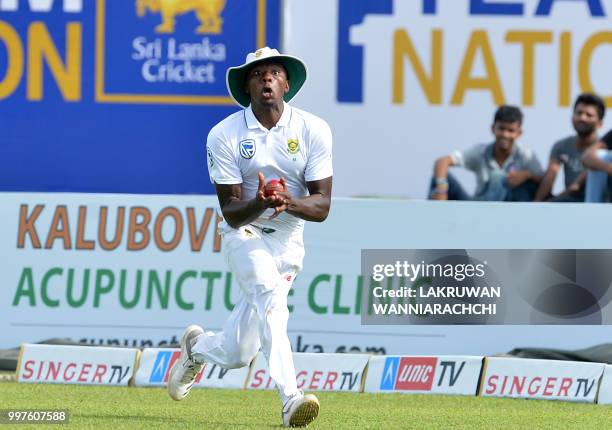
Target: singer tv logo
408 373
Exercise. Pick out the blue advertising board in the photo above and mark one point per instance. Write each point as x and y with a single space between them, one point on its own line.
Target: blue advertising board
119 95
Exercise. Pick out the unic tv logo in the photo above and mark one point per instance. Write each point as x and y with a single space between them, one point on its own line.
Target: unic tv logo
408 373
162 365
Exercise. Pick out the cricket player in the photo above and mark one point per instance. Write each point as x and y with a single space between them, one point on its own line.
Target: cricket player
262 231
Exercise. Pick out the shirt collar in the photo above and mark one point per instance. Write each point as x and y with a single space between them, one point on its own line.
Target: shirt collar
510 159
252 122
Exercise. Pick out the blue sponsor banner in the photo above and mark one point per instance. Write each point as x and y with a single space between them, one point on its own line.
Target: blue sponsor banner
387 381
119 95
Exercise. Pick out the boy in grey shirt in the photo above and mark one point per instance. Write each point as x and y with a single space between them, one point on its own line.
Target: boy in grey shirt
504 170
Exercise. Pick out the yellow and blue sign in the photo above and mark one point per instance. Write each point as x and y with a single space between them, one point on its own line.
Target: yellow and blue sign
119 95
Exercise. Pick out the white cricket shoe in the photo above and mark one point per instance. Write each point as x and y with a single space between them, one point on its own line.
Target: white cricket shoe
300 411
185 369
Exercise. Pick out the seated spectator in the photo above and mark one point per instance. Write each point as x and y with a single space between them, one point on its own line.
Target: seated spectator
504 170
598 159
589 111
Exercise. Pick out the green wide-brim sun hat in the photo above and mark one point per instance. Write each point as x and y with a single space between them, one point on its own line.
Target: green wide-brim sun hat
235 77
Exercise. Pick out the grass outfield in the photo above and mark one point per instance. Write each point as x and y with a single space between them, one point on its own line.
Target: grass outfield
123 408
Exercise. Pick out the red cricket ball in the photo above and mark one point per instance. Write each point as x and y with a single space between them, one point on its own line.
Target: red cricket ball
272 187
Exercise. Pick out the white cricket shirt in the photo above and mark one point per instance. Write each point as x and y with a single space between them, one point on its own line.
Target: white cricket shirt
298 148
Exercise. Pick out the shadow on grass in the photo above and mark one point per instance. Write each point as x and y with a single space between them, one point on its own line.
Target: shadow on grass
172 421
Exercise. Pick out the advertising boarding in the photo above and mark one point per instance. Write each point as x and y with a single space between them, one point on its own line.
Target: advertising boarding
405 82
135 270
541 379
424 375
83 365
155 364
119 95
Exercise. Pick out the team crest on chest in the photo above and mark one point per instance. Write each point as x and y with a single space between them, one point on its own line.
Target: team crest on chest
293 146
247 148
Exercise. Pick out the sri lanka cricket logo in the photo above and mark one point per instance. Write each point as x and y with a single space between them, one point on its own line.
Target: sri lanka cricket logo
207 11
293 146
173 51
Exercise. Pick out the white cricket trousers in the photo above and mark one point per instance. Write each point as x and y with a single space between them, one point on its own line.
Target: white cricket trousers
264 265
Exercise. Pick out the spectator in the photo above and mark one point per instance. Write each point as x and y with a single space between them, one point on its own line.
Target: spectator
504 170
589 110
598 159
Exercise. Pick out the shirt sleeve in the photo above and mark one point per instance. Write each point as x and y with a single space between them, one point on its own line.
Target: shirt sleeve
555 153
469 158
607 139
532 163
222 166
319 164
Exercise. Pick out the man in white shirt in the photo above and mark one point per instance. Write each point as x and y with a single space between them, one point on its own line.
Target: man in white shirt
262 232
